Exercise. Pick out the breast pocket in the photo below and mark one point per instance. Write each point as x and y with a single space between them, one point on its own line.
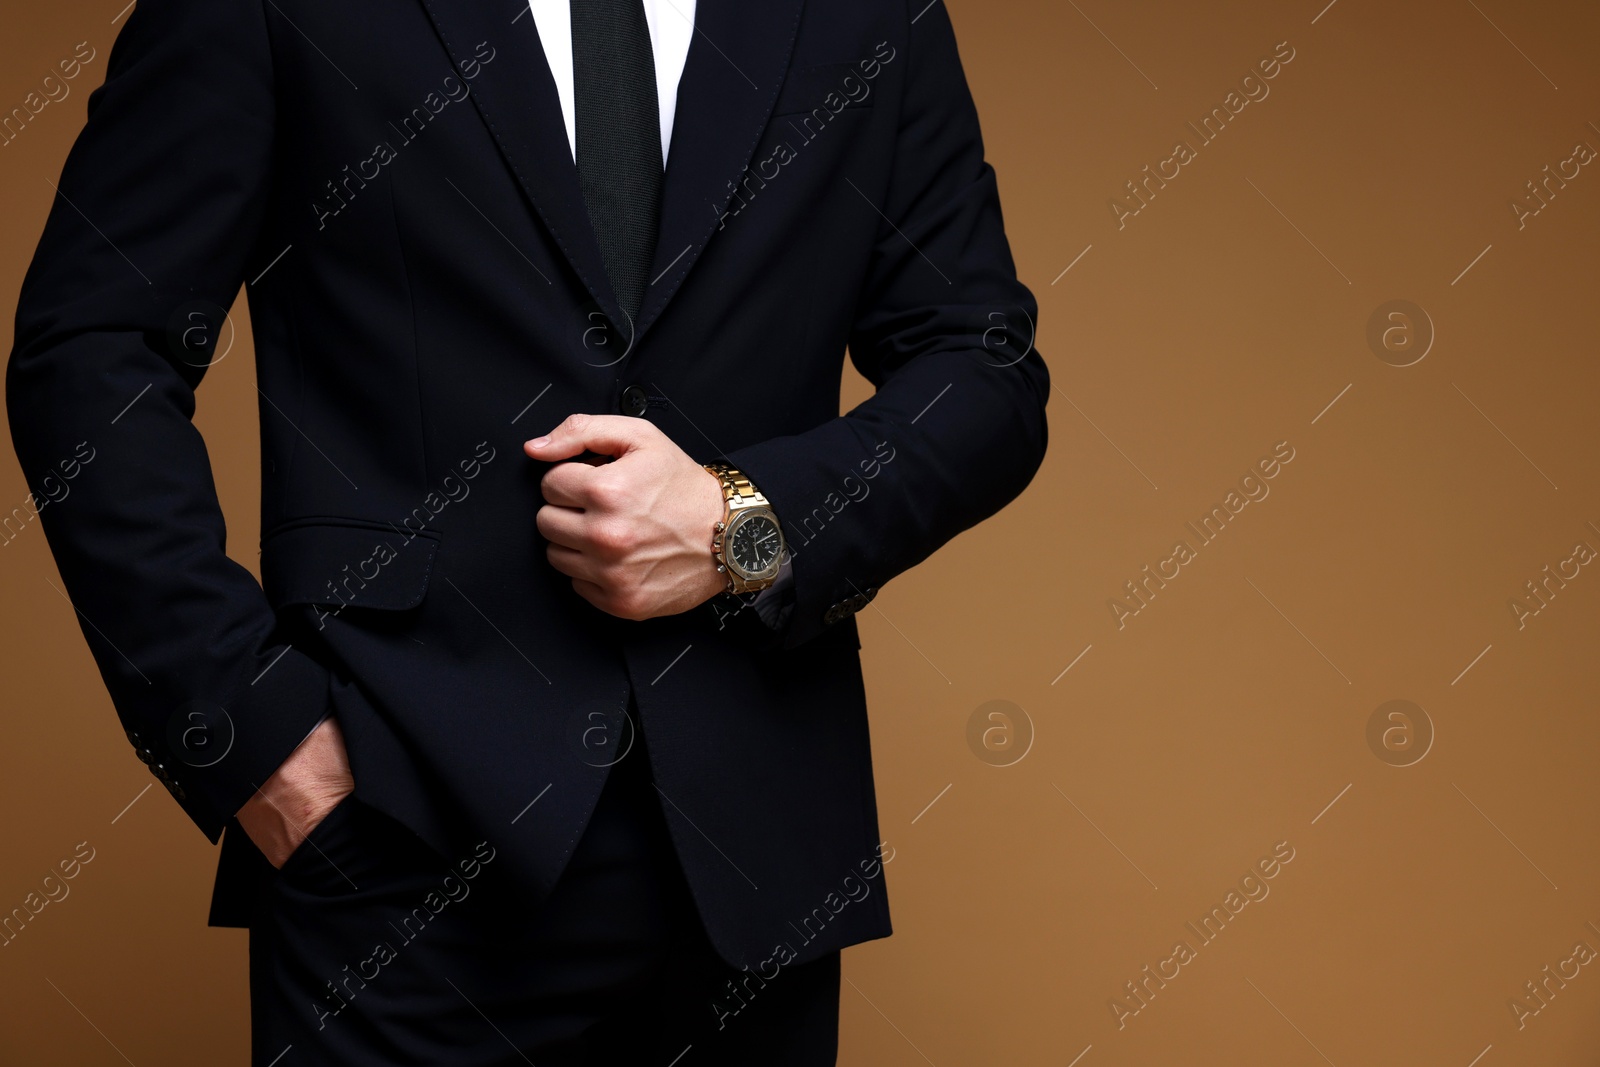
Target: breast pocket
827 87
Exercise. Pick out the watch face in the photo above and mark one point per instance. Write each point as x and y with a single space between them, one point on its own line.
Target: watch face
753 546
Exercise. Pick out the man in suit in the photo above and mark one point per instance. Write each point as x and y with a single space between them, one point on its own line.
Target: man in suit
542 750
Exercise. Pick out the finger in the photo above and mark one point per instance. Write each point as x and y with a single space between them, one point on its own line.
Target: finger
566 484
611 435
574 565
599 490
561 526
599 596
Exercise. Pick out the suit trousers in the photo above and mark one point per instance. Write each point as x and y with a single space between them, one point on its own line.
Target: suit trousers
370 948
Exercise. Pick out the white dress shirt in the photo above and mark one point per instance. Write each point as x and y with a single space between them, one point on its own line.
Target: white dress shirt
671 29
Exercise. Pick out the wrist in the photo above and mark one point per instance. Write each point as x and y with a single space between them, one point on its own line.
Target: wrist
715 511
318 769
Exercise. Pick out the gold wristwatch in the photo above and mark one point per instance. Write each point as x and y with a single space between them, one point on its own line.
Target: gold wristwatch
748 542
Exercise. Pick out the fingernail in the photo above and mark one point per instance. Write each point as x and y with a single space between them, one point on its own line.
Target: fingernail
539 442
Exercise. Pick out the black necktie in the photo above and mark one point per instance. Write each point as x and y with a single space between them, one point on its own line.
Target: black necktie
618 138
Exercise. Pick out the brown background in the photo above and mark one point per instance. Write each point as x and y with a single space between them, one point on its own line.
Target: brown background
1227 715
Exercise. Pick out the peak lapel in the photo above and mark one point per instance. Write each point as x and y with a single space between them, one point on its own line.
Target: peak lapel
515 95
730 83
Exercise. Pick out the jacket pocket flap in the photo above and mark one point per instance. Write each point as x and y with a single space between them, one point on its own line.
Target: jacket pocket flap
347 562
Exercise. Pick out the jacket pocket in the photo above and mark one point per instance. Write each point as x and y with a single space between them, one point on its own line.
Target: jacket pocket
347 563
319 839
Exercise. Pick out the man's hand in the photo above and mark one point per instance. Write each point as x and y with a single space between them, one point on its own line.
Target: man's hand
634 534
300 793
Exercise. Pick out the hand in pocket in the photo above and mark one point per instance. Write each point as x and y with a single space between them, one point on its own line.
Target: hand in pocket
299 795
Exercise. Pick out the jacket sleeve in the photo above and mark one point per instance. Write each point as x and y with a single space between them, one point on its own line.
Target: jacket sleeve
155 226
944 331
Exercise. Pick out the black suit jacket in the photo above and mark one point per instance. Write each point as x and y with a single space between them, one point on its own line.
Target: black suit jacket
391 181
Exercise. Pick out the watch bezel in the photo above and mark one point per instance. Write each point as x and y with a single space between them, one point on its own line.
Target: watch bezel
734 524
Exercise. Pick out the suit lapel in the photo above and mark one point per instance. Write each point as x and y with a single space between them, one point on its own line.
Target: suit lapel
730 83
515 94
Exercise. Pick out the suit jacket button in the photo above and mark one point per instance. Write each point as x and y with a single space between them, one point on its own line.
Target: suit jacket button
634 401
833 614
